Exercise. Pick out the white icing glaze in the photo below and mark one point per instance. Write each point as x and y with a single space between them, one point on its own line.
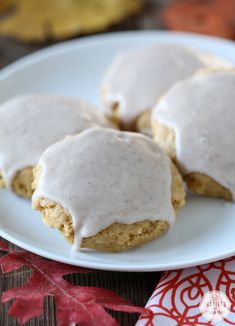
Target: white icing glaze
29 124
201 111
137 78
104 176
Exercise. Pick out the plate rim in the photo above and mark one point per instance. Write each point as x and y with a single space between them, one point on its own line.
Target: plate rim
110 267
67 46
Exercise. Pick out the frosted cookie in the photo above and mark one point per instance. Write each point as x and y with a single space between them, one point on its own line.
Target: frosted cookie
31 123
195 124
137 78
107 190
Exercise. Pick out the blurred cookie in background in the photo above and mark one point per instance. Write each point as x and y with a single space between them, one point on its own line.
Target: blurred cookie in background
5 4
38 21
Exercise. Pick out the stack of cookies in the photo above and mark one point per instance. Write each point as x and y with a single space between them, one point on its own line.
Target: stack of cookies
114 180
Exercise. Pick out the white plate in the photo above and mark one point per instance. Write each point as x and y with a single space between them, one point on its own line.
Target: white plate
204 230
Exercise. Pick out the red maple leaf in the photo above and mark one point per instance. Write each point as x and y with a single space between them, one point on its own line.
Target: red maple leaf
83 305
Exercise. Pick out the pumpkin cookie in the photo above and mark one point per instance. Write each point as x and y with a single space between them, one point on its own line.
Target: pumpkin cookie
28 125
195 124
137 78
107 190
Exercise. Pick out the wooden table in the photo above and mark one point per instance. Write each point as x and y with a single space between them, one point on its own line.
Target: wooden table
136 287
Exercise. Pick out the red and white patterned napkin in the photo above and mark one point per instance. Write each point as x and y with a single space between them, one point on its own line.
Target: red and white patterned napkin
177 299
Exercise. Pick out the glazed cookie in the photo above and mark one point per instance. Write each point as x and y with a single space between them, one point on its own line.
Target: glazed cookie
112 194
29 124
137 78
195 124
